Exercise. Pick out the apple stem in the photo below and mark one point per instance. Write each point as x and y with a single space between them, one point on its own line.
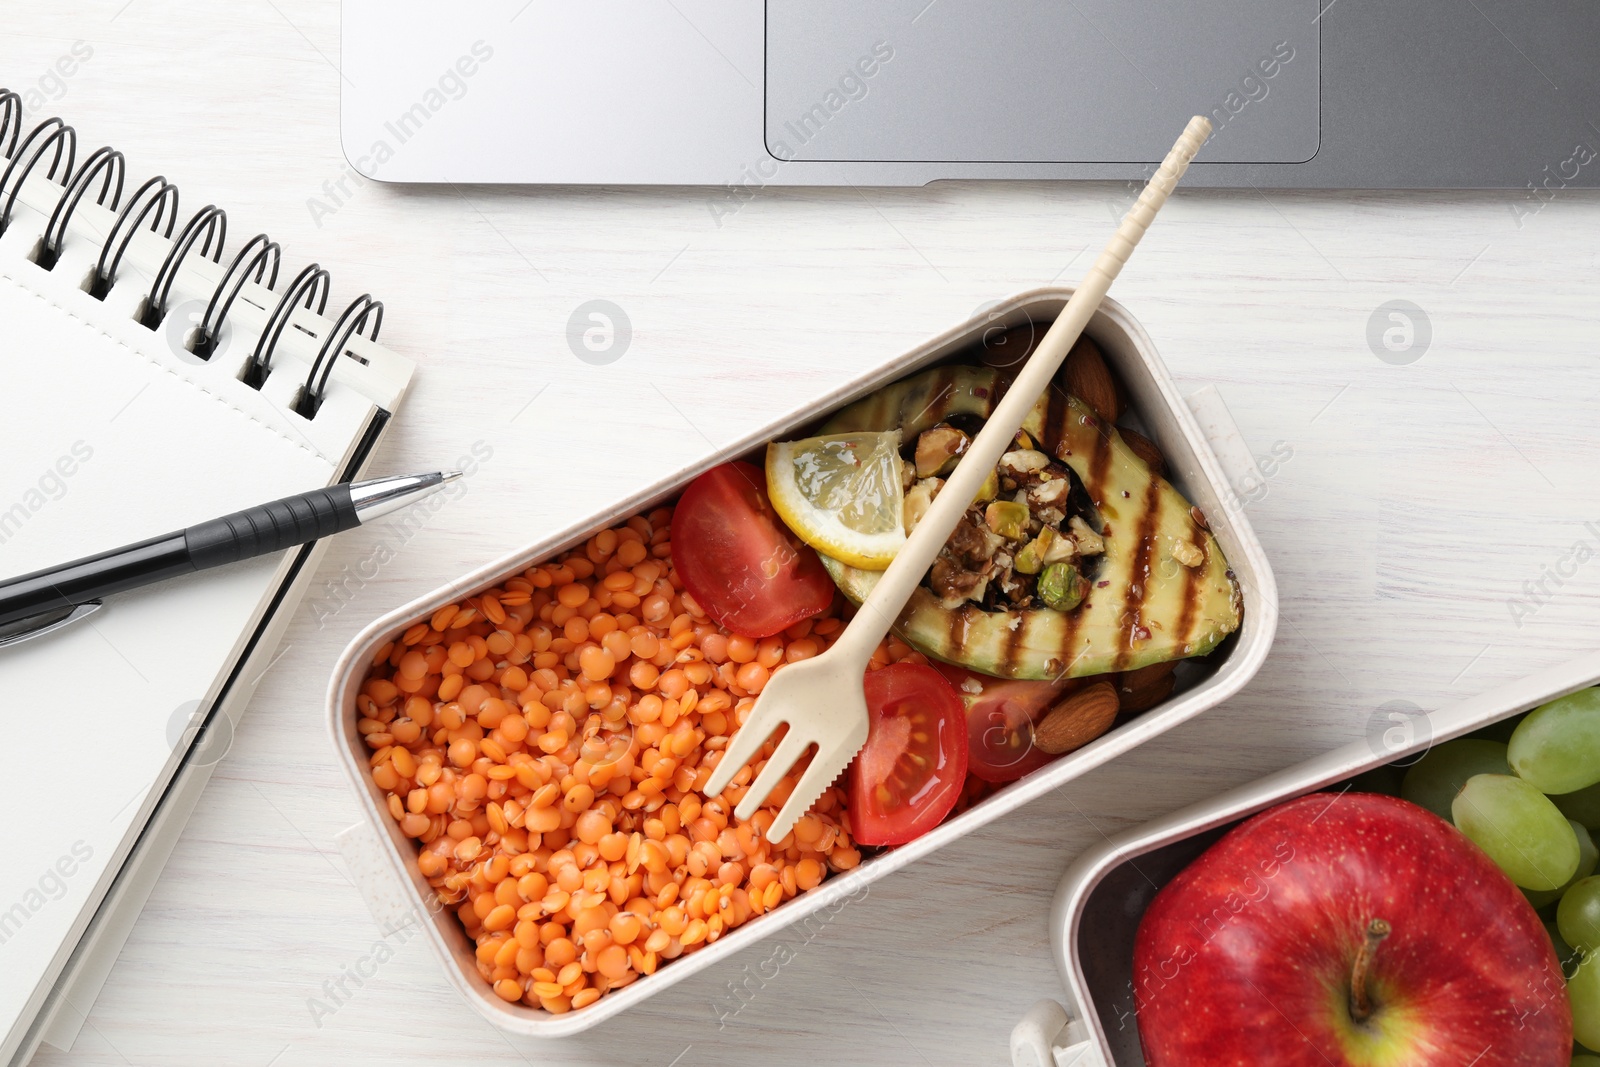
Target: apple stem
1360 1002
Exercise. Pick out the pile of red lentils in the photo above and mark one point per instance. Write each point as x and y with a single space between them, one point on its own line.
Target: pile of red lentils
545 744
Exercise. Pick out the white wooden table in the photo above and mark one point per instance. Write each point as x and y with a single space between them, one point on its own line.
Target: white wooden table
1424 502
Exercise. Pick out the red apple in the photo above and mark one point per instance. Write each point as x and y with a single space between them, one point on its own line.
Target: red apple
1347 931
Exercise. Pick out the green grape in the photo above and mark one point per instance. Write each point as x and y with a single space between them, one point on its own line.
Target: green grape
1564 951
1557 747
1586 1061
1588 860
1583 990
1519 828
1438 776
1582 806
1578 916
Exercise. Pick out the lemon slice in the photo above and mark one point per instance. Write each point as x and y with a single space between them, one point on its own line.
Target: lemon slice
841 495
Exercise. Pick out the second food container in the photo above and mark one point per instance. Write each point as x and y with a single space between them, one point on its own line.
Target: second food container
1104 894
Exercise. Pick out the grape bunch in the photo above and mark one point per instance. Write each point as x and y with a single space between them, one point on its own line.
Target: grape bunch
1527 791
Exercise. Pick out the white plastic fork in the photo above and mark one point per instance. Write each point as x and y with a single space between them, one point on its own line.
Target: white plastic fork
821 700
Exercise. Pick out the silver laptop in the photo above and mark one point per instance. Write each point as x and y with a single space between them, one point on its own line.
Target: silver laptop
741 95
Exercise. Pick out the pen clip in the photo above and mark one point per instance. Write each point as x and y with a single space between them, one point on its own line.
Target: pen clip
38 625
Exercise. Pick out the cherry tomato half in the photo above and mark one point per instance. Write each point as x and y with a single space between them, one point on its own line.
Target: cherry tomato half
1000 719
737 558
909 775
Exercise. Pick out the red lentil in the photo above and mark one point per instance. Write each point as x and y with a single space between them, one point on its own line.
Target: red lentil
543 743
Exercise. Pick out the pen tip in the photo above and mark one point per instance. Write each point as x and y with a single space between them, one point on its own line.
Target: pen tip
449 476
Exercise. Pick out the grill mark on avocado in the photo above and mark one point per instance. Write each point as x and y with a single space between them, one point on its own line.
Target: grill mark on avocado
1099 462
1070 623
1191 597
958 627
918 412
1050 644
1009 643
1081 499
1058 411
1055 416
1139 574
939 404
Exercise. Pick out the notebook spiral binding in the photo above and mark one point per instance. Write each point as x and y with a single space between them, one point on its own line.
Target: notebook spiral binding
107 161
163 201
211 325
152 204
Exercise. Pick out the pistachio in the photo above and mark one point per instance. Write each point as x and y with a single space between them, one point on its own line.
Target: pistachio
1031 559
1007 519
938 450
1061 587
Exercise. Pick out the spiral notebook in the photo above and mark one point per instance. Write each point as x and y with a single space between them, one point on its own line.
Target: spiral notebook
152 375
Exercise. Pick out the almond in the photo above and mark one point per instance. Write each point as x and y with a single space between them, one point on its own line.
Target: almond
1086 376
1077 720
1145 449
1146 687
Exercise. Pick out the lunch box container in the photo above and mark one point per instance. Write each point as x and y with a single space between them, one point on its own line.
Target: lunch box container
384 861
1104 893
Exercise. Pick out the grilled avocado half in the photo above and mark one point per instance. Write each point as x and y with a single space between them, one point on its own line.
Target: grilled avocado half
1144 607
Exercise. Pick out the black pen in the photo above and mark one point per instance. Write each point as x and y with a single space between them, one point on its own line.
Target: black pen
35 603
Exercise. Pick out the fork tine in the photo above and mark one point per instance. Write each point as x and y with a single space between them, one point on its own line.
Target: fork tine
823 770
747 741
790 749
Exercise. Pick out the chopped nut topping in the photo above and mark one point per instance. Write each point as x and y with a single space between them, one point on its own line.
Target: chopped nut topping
1023 522
1024 461
1089 542
1007 518
1187 554
1050 494
938 450
918 499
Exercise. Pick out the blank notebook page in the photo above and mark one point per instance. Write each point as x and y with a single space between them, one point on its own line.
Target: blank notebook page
110 438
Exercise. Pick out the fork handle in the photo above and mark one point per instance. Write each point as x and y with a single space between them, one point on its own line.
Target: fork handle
888 597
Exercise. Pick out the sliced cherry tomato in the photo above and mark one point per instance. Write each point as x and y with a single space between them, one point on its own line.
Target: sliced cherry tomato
909 775
737 558
1000 719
